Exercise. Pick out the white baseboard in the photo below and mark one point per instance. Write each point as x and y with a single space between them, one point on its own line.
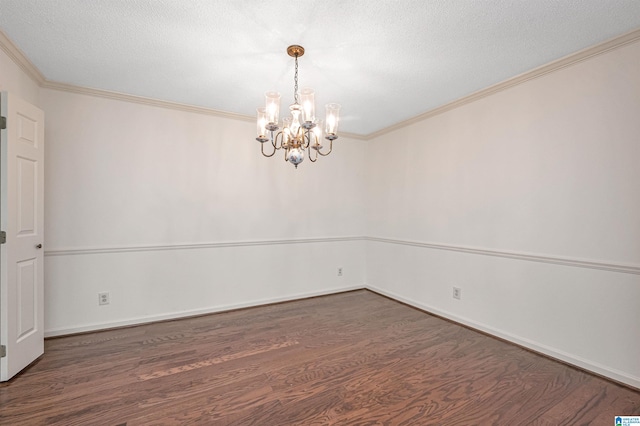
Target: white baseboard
585 364
579 362
190 313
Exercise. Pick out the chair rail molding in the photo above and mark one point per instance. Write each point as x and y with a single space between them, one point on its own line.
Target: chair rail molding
557 260
196 246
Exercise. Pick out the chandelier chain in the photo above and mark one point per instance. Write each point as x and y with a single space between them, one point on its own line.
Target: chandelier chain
295 79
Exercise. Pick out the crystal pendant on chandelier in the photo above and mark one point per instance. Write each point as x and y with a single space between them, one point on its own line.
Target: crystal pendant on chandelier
300 131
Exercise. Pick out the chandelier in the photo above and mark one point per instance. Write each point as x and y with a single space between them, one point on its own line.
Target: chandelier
301 131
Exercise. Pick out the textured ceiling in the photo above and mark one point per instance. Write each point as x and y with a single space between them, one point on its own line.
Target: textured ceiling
384 61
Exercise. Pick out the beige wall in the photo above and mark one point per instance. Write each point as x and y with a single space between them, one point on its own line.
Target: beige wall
529 201
178 213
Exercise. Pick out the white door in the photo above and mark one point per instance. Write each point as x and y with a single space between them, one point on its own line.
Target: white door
22 218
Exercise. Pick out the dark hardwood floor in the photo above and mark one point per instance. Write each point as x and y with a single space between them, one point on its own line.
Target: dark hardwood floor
354 358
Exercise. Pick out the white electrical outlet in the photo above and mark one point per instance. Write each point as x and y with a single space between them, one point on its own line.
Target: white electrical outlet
457 293
340 271
103 298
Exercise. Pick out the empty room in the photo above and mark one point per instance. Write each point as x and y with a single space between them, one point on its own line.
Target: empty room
417 212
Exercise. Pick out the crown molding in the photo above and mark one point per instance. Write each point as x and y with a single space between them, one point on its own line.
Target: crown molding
20 59
556 65
25 64
64 87
100 93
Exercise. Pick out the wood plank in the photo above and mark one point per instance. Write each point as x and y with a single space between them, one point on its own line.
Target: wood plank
350 358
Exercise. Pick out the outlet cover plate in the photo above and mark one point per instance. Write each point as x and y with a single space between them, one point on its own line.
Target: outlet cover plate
457 293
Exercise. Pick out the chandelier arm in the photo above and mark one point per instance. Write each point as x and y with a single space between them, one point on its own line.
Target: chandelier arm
330 149
306 139
274 142
267 155
313 160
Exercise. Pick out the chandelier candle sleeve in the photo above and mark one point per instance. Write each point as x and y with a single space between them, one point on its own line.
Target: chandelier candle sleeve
273 109
308 106
332 117
262 123
301 131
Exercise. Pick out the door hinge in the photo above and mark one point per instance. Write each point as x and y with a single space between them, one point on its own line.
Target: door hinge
3 237
3 123
3 351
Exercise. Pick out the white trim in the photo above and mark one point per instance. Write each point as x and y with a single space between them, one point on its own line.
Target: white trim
124 97
23 62
20 59
177 106
585 364
108 94
556 260
63 331
537 347
191 246
553 66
